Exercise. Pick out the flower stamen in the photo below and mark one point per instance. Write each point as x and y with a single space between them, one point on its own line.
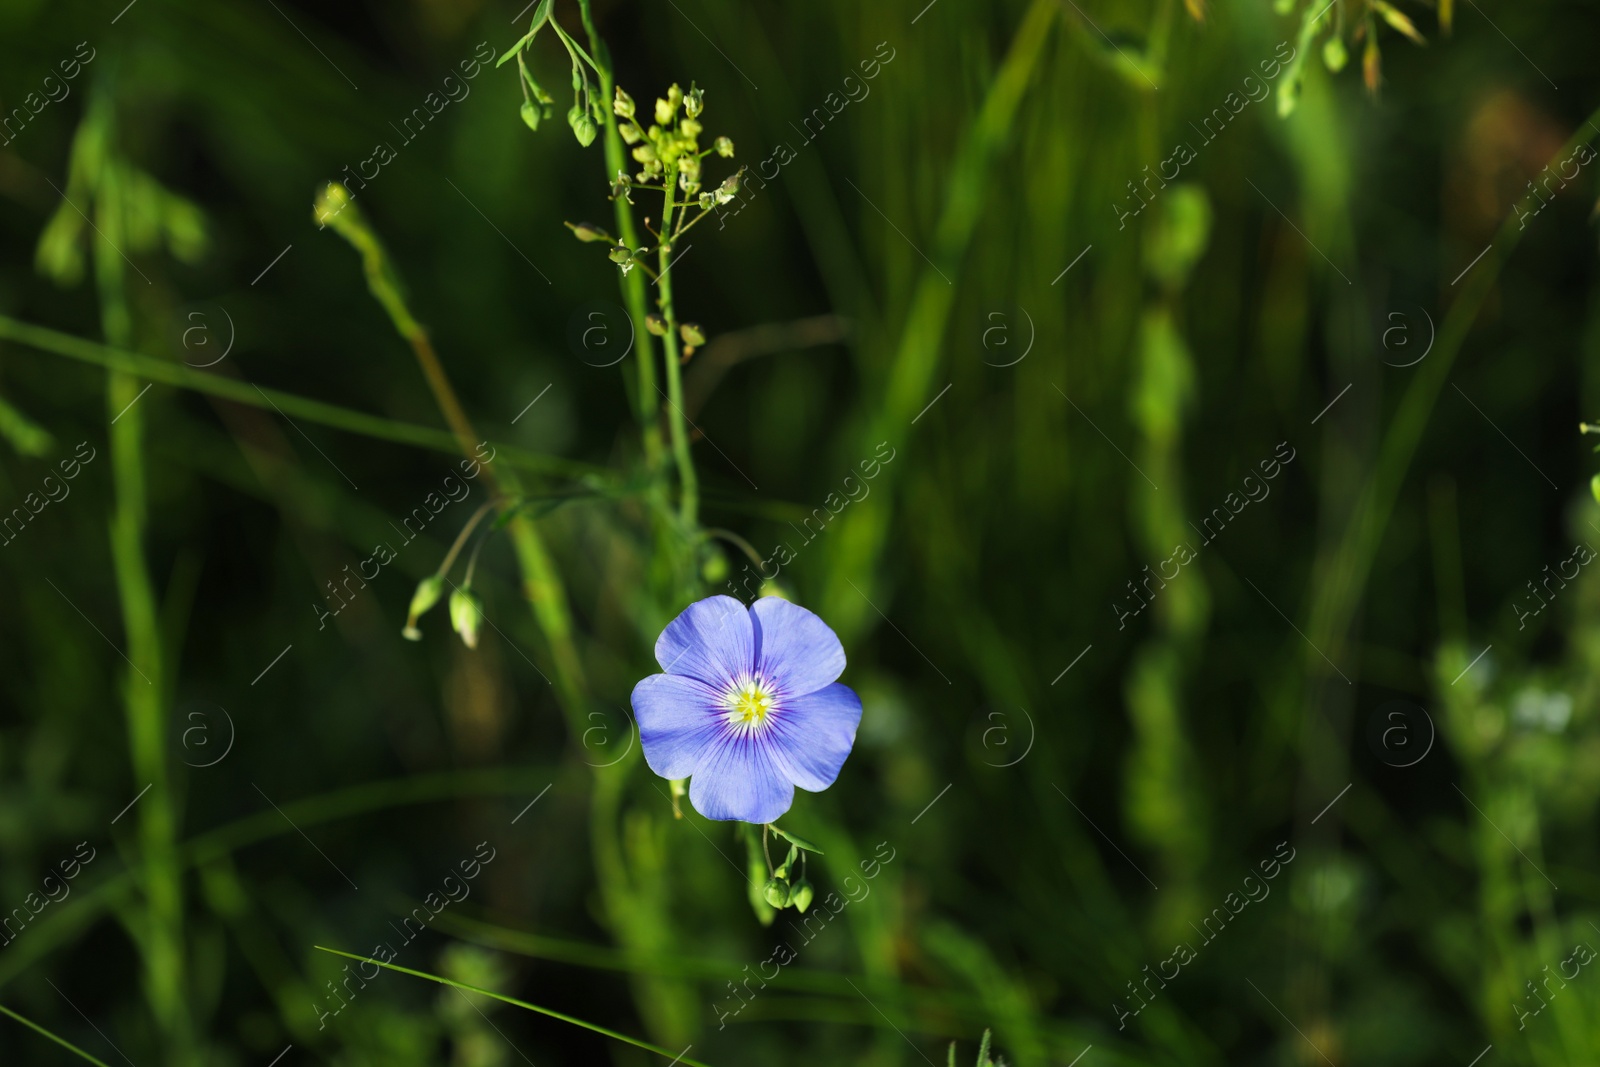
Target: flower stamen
749 704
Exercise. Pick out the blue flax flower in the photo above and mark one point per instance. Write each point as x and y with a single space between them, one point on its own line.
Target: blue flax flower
748 707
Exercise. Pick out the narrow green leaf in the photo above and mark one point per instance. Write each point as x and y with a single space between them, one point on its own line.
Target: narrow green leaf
635 1042
69 1046
359 422
539 18
797 840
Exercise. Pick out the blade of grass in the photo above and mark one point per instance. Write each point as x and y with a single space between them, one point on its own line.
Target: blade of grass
1341 579
58 926
162 943
63 1042
854 555
166 372
658 1050
683 965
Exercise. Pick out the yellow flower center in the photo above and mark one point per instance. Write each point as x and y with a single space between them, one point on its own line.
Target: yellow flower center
749 703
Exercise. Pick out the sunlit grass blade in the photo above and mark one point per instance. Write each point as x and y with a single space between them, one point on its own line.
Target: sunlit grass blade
63 1042
676 1057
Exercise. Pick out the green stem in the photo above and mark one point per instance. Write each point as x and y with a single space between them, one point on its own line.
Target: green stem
540 583
168 372
689 486
144 687
635 1042
30 1024
632 284
461 538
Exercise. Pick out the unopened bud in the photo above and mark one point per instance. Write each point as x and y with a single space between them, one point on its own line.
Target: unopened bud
622 104
466 612
333 199
724 146
584 129
427 595
587 232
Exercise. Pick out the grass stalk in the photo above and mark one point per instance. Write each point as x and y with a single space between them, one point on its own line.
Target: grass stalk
1339 579
678 1057
168 372
145 691
911 377
63 1042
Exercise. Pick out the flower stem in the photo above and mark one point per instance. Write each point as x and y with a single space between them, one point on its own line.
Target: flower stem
633 285
689 486
461 538
541 585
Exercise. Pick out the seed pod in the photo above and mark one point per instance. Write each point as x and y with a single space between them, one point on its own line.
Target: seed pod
655 324
692 334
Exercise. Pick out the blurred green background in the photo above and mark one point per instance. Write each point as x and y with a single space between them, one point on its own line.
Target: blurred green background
979 262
